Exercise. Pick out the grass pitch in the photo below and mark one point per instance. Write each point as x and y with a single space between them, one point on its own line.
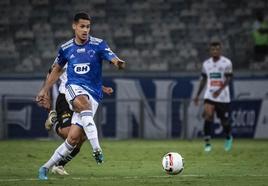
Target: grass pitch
138 162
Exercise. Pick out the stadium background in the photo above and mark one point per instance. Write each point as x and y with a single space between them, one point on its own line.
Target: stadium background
164 43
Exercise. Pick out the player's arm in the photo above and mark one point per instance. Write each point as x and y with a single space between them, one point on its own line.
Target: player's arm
119 63
201 86
107 90
46 103
43 95
228 79
108 55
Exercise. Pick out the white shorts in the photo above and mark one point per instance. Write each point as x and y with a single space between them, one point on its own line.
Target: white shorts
72 91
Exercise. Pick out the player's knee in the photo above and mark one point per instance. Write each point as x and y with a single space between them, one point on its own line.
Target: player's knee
83 138
72 140
225 122
208 116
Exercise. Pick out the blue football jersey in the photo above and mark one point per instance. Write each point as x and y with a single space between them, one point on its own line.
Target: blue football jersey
85 64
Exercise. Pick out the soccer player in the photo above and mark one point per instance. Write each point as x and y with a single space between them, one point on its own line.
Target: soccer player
216 75
60 121
83 55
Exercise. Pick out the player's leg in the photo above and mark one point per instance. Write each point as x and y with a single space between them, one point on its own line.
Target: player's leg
55 116
222 110
85 106
208 115
59 168
64 117
62 151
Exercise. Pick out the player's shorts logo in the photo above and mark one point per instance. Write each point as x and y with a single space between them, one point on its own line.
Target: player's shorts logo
82 68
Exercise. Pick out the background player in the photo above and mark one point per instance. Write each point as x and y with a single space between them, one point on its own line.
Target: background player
216 75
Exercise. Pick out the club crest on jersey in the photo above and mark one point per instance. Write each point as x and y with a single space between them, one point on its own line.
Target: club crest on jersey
91 53
82 68
81 50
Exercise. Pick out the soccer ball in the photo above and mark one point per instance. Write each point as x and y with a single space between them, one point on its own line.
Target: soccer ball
172 163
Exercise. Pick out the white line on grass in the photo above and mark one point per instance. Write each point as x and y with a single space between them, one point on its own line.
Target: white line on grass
126 177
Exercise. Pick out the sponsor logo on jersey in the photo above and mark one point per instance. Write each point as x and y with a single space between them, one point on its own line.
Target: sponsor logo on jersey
215 75
215 83
81 50
66 115
82 68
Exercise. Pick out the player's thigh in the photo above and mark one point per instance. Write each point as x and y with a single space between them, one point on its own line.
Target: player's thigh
78 98
209 109
63 132
74 135
64 116
81 103
222 111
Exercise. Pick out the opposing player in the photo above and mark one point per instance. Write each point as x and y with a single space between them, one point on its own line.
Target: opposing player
216 75
60 120
83 55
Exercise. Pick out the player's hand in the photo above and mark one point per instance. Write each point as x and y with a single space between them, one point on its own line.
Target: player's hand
107 90
121 65
43 100
196 101
216 93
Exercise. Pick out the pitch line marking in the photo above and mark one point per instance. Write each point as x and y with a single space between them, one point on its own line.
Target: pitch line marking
127 177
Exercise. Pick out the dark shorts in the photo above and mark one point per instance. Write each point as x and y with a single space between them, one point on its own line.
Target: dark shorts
64 114
221 109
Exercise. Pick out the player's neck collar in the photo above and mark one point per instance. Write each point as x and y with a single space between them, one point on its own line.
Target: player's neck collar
81 44
215 60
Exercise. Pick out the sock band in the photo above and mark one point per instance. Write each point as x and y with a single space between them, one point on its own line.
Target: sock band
68 146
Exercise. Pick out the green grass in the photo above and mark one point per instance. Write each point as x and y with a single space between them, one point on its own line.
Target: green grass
138 162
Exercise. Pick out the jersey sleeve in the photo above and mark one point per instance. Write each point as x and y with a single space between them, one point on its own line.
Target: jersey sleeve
105 52
60 59
229 68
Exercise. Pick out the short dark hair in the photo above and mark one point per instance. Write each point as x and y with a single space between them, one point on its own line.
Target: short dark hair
215 43
81 15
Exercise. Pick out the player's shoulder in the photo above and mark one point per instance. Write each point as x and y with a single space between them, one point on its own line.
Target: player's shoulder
225 60
95 40
67 44
207 61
